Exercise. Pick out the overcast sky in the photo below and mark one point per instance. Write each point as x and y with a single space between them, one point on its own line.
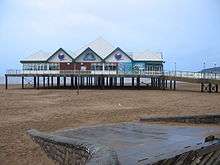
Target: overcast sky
186 31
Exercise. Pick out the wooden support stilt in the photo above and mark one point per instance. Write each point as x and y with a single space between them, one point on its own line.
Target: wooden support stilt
90 81
163 84
122 82
138 82
159 83
52 81
99 82
58 81
216 88
6 82
71 81
48 81
38 82
152 82
132 81
110 81
174 85
102 82
202 87
87 81
22 82
76 82
166 84
64 81
171 84
35 82
210 87
44 81
115 82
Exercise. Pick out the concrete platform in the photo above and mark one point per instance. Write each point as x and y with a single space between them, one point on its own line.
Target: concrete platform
139 143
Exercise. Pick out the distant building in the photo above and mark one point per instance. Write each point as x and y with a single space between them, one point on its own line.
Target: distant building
98 56
211 70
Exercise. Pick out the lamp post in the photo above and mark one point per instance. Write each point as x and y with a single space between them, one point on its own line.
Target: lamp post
215 68
204 65
204 70
175 68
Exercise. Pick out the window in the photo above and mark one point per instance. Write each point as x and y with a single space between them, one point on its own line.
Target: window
53 66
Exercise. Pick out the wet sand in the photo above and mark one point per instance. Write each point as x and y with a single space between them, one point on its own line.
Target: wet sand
51 110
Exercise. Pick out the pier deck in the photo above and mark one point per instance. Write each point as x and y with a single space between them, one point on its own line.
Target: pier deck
102 79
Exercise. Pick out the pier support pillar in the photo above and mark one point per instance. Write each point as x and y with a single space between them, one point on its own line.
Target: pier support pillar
202 87
90 81
34 81
87 81
48 81
58 81
102 78
22 82
132 81
156 82
152 82
210 87
64 82
138 82
71 81
44 81
76 82
120 79
115 81
81 81
122 82
99 82
110 81
159 83
52 81
171 84
174 85
6 82
163 84
38 82
216 88
107 81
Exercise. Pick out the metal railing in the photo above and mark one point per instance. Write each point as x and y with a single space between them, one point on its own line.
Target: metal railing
180 74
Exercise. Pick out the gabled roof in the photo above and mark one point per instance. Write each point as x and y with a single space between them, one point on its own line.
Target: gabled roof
38 57
71 53
61 49
85 51
100 46
118 49
148 56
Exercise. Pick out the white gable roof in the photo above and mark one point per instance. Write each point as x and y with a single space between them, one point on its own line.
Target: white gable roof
38 56
71 53
148 56
102 48
99 46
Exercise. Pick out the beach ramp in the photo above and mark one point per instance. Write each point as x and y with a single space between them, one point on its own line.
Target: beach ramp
130 144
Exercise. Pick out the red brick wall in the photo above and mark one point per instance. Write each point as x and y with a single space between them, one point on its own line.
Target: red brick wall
85 64
66 66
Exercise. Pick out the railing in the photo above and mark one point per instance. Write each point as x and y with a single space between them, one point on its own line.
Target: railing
194 75
179 74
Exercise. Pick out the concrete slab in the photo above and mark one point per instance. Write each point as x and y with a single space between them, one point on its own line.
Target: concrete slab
137 142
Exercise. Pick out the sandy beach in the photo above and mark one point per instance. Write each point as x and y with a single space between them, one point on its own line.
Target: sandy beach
51 110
